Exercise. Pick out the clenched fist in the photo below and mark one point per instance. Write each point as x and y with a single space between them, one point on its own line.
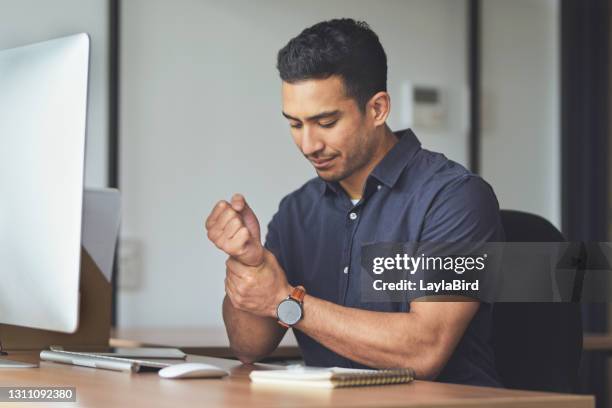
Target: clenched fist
234 228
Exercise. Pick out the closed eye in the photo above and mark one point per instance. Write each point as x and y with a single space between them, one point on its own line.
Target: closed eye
328 125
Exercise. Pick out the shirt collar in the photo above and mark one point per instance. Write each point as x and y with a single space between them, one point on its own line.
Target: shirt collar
391 166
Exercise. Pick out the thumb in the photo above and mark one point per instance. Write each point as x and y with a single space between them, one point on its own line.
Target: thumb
238 202
249 218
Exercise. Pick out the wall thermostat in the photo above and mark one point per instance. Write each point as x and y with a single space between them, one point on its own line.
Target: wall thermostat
423 107
428 108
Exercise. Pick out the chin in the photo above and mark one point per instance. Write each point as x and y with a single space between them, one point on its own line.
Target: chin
330 176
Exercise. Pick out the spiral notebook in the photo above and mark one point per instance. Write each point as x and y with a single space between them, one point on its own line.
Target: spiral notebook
333 377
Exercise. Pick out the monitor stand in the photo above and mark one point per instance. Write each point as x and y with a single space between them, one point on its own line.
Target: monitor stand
4 363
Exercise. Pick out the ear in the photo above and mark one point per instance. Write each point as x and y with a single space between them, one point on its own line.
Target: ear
379 107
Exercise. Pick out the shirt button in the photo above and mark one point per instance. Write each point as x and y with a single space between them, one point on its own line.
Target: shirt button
345 270
378 187
353 216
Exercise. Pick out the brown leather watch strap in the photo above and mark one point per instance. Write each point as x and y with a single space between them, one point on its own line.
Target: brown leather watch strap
298 293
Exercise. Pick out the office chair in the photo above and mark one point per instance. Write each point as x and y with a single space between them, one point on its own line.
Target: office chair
537 346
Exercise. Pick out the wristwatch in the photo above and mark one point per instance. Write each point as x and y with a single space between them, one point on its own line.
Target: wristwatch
289 311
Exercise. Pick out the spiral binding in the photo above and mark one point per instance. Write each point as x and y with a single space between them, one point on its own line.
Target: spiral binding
381 377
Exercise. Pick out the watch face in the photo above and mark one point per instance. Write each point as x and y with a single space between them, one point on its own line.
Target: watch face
289 312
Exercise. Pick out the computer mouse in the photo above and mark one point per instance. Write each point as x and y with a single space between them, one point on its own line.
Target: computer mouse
192 370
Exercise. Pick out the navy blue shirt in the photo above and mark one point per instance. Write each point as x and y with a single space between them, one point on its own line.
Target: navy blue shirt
412 195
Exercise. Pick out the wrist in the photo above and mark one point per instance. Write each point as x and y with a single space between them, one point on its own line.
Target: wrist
259 259
263 260
281 295
290 310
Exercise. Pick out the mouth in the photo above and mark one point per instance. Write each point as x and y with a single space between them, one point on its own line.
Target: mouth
321 164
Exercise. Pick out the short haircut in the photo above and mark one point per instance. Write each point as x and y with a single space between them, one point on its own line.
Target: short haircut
342 47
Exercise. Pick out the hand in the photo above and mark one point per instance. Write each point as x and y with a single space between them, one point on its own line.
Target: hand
234 229
257 290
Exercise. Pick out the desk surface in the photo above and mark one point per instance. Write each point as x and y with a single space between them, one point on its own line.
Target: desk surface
210 341
103 388
216 337
212 336
213 340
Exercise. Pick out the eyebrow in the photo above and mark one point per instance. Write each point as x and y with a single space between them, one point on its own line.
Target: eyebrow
316 117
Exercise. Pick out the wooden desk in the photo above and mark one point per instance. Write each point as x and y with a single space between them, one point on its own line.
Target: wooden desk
103 388
203 341
213 341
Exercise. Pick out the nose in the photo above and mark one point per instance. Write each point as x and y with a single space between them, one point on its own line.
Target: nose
310 143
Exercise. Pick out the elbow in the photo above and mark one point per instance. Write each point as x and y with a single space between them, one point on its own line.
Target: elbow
430 369
430 360
246 358
426 367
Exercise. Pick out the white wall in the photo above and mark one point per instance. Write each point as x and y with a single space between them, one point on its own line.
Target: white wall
201 119
26 21
521 140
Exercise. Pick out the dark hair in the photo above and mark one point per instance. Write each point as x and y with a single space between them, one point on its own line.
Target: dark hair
343 47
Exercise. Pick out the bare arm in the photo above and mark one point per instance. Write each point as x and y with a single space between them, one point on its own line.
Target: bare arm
255 283
234 228
423 339
251 337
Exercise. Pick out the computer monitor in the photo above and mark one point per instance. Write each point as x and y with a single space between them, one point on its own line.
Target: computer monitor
43 105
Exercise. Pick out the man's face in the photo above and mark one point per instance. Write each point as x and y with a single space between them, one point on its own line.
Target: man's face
328 127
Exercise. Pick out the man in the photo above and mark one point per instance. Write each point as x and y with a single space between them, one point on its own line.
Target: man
372 186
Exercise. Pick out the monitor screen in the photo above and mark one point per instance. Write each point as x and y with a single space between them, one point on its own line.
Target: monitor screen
43 104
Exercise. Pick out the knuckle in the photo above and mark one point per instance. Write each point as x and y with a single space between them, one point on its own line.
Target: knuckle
215 240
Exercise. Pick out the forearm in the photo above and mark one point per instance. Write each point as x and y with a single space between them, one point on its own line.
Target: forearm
251 337
377 339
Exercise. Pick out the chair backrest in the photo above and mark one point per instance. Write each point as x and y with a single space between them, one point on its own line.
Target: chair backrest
537 345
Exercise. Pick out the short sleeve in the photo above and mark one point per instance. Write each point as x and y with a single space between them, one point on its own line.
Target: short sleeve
465 210
273 241
274 238
462 217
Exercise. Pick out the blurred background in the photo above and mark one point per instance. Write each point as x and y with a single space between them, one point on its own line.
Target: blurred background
185 110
